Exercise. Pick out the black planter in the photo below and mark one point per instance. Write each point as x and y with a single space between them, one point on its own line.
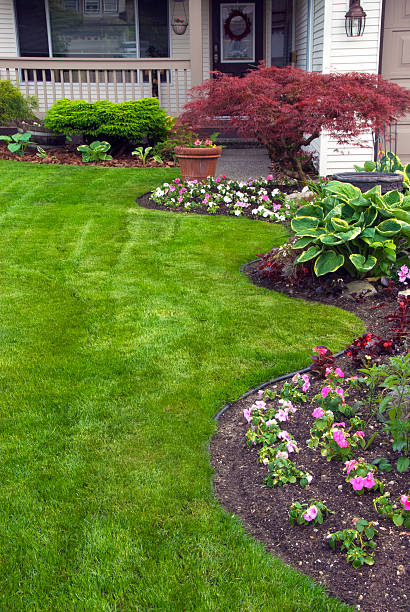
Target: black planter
366 180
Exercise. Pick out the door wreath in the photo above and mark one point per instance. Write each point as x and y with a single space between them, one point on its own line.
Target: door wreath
246 21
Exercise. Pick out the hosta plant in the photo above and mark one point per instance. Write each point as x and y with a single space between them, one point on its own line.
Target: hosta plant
308 513
18 142
96 151
360 232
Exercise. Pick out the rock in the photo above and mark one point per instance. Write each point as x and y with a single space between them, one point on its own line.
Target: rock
404 293
359 288
384 281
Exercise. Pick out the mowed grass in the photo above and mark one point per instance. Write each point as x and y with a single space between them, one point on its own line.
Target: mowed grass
123 330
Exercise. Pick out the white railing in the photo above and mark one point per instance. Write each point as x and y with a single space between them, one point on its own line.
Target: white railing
115 79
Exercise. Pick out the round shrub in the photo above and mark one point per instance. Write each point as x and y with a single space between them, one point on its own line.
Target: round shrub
122 124
14 107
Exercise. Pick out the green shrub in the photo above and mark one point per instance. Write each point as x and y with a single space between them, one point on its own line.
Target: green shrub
179 135
123 124
14 107
359 231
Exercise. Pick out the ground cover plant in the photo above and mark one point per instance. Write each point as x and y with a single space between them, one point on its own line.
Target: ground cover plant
123 331
287 108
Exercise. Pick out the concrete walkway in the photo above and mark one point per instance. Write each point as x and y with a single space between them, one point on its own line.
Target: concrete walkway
241 164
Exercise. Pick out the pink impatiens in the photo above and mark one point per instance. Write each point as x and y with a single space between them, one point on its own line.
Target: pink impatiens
310 514
339 438
405 500
317 413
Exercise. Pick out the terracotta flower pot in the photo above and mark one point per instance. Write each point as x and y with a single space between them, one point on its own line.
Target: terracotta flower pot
198 163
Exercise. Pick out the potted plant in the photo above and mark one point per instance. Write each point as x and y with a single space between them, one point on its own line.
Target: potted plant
199 159
179 25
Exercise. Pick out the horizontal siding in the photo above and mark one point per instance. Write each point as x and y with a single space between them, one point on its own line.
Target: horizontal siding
8 44
343 55
301 23
318 35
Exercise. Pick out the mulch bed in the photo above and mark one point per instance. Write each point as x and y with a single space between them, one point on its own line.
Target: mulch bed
238 481
67 155
239 485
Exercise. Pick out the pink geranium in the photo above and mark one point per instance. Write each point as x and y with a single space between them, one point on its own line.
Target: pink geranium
310 514
351 465
306 385
321 350
357 483
342 424
247 415
369 481
359 434
405 500
317 413
340 392
339 373
325 391
339 438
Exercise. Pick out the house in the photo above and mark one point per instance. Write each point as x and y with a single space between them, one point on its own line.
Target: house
128 49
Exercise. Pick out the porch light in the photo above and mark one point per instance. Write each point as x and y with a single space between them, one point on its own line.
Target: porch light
179 24
355 19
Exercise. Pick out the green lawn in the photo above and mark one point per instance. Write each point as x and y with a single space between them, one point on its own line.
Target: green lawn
123 331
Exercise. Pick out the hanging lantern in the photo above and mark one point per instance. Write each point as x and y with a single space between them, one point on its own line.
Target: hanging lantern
355 19
179 24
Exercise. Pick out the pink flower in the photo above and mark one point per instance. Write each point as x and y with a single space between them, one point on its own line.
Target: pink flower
265 461
318 412
271 422
276 207
350 465
325 391
369 481
403 274
177 180
342 424
306 386
284 435
329 371
260 393
282 415
247 415
265 198
339 373
291 446
269 177
359 434
172 188
339 438
218 180
357 483
405 500
197 142
310 514
282 455
259 404
309 478
321 350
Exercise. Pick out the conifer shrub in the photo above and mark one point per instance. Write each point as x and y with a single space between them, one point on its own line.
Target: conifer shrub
123 124
14 107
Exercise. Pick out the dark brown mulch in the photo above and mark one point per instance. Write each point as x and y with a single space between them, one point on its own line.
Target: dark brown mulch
66 155
238 483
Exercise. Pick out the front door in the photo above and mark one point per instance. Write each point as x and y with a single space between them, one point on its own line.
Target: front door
237 35
396 61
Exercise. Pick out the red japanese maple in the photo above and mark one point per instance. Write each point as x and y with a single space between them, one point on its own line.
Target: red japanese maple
287 108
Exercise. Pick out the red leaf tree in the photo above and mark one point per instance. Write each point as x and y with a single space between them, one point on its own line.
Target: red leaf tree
287 108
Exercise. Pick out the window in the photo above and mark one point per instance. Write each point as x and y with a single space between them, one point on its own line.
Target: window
93 28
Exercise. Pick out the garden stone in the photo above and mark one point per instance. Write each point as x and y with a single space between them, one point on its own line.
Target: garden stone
359 287
404 293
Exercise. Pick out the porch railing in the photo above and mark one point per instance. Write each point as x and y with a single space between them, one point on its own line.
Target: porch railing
114 79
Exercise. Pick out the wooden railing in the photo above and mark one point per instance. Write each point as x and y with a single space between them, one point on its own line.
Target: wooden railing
115 79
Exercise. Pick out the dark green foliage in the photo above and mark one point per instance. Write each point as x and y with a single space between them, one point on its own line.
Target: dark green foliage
14 107
123 124
179 136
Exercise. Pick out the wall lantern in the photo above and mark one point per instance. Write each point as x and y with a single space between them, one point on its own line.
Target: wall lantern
179 24
355 19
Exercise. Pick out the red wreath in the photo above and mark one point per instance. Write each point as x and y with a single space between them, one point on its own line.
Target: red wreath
227 25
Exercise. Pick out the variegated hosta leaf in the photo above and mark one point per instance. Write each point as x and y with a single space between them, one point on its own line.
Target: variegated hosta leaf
389 228
308 254
345 191
339 225
361 264
301 225
302 243
328 262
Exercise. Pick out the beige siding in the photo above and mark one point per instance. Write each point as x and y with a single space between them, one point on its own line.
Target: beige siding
8 44
343 54
301 23
318 37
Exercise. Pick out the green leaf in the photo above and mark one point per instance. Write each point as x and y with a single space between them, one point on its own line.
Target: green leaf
350 234
398 520
370 166
402 215
389 228
359 202
369 560
328 262
403 464
330 239
309 254
369 531
301 243
345 190
369 216
14 147
339 225
311 210
301 225
393 197
6 138
389 254
360 525
361 264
